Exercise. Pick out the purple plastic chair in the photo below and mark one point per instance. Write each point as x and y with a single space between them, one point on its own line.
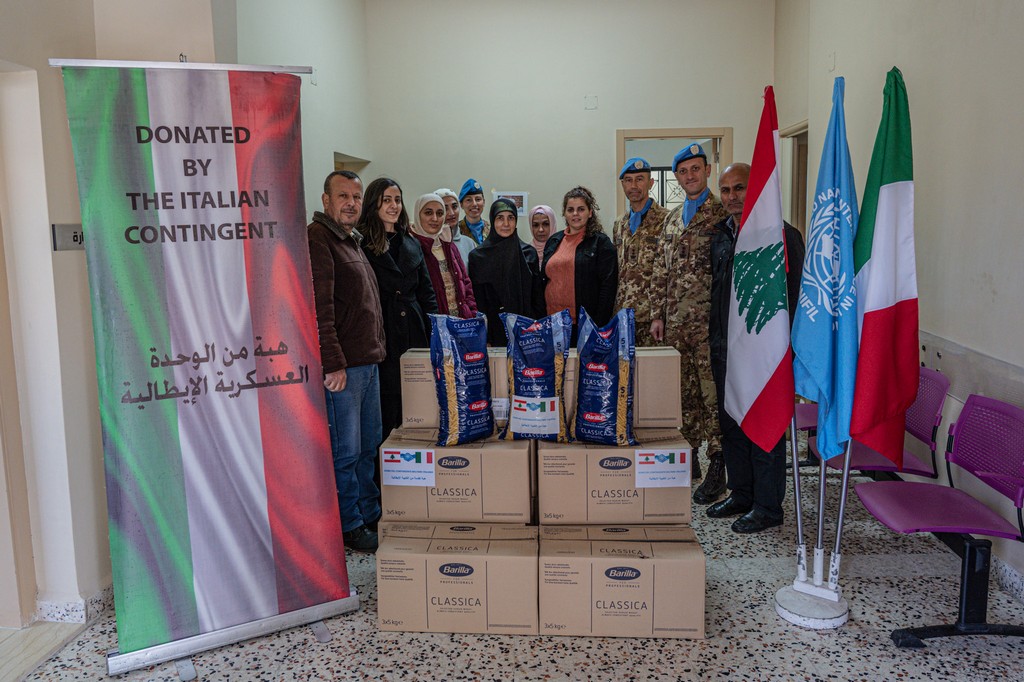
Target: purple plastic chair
986 441
922 423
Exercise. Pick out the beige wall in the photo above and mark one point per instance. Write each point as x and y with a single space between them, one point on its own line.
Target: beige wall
495 90
154 31
328 35
67 541
957 58
792 19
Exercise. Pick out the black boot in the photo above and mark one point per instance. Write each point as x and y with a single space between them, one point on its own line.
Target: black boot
696 474
361 539
714 485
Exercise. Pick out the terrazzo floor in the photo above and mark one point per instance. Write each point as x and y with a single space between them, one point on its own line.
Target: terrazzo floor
889 580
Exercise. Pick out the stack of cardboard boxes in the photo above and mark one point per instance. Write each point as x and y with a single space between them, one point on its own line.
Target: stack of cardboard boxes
460 551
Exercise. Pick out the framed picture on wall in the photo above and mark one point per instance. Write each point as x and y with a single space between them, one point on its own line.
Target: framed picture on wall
520 199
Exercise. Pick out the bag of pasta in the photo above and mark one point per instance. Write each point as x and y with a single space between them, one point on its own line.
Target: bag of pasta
537 351
604 380
458 354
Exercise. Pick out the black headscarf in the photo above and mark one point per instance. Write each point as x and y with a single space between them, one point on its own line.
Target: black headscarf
506 276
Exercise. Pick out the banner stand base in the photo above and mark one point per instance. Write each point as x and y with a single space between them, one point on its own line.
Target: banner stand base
809 611
118 663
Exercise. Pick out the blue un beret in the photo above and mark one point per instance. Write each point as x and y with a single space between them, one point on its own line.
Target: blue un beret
470 186
691 152
635 165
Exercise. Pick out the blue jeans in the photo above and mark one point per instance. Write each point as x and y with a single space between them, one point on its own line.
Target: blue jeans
353 416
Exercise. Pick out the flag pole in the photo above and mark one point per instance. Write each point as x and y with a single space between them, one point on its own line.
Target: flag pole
801 548
819 547
833 567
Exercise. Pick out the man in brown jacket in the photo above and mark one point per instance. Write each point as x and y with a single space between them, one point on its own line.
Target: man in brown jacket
351 344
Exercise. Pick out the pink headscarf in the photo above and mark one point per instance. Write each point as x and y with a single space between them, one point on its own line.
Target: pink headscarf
545 210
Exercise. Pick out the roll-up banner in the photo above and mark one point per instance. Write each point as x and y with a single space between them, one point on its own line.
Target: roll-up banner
220 488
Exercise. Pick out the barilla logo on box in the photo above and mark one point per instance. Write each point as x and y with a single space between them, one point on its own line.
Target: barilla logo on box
461 529
622 573
478 405
597 367
615 530
475 356
535 327
453 462
533 372
615 463
460 570
594 418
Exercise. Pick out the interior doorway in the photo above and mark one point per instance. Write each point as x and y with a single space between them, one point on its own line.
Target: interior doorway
794 176
659 145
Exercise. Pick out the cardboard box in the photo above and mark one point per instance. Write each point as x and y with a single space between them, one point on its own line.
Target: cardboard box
487 480
463 578
419 396
657 402
587 483
646 583
656 396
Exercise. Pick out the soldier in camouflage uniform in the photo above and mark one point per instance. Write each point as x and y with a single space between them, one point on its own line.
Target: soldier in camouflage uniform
680 297
636 236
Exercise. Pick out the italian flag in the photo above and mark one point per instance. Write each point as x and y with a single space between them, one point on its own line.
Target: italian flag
759 376
886 281
220 491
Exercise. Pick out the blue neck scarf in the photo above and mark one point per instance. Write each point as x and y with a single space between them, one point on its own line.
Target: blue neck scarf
636 217
690 207
477 229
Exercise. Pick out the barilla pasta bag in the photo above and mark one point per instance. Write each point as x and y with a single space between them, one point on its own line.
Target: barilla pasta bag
537 351
458 353
604 380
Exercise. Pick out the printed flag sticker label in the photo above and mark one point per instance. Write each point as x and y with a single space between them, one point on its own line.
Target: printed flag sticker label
500 408
662 468
413 467
534 415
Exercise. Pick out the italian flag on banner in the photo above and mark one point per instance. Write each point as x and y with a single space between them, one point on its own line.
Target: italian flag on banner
759 377
886 281
220 488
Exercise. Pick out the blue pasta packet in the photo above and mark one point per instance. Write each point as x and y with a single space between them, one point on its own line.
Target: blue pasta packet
458 354
537 352
604 380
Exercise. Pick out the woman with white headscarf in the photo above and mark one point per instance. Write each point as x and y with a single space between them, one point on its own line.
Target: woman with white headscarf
448 274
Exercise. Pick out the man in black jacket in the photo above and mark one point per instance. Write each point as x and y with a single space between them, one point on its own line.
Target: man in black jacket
756 478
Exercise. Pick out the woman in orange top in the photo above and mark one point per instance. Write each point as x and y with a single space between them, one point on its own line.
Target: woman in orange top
580 268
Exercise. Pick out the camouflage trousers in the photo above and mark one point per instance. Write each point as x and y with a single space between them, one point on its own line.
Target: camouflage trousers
643 335
698 396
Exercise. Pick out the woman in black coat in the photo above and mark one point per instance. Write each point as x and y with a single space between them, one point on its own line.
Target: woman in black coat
406 295
580 267
505 273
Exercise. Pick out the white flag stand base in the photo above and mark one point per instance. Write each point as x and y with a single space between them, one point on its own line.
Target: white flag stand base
809 610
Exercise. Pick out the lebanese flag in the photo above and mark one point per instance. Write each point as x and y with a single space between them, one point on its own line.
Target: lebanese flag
886 281
759 376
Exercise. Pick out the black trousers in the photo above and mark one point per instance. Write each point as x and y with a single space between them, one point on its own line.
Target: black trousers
755 477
